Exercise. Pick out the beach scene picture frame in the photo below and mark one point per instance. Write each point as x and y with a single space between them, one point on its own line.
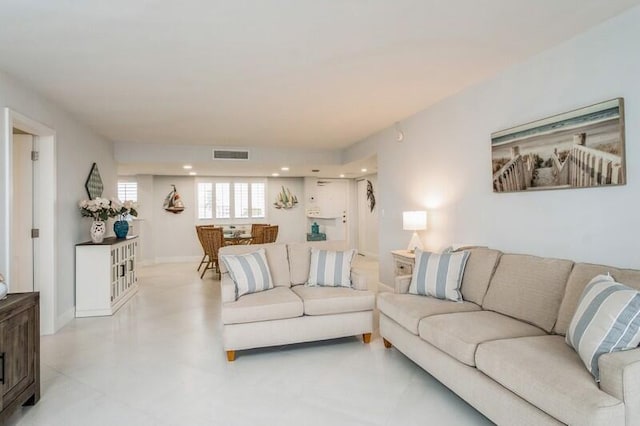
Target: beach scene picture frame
583 148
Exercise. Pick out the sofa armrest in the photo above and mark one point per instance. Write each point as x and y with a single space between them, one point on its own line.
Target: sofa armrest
227 288
402 284
620 377
359 280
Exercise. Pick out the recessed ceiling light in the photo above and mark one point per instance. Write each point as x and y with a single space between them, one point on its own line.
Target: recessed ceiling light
284 169
187 167
363 170
192 173
341 175
275 174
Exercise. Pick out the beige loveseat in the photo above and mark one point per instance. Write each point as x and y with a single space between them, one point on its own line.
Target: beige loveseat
292 312
503 349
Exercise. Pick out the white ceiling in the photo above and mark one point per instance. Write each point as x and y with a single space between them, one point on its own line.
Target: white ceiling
287 73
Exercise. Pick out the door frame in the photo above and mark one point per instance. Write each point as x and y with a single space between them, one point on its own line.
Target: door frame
45 274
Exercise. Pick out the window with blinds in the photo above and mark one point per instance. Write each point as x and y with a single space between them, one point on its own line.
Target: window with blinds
205 200
223 200
258 200
232 200
241 199
128 191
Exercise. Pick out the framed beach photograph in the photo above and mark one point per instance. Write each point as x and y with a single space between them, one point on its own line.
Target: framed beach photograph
578 149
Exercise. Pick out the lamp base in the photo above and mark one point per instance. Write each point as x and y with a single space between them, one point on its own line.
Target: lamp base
415 243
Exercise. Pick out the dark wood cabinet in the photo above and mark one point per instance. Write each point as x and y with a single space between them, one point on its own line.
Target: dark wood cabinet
19 352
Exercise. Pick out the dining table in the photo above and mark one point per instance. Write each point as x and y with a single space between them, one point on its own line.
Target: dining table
235 238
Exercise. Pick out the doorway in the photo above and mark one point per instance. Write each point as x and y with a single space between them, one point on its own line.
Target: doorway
33 267
24 193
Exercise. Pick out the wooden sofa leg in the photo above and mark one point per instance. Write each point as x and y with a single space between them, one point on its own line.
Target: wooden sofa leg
231 356
366 337
387 344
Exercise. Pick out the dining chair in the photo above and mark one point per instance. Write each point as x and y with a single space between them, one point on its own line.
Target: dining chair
213 240
204 256
270 234
257 233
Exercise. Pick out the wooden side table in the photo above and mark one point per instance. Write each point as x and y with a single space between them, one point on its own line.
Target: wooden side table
404 262
19 352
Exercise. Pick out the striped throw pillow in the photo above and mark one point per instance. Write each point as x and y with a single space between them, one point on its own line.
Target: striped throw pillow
330 268
250 272
438 275
607 320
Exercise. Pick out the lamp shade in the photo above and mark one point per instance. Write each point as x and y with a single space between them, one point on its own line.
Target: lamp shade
414 221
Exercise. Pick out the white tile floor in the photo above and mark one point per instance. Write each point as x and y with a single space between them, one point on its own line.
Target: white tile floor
159 361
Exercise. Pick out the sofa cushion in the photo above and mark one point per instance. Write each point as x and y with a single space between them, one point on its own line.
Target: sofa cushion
300 257
276 258
277 303
250 272
478 272
580 276
607 320
438 275
460 334
546 372
334 300
408 309
529 288
330 268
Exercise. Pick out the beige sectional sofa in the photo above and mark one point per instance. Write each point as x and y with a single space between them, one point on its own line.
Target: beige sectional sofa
292 312
503 349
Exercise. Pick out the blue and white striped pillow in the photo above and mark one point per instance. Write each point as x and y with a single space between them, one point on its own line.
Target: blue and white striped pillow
438 275
607 320
330 268
249 271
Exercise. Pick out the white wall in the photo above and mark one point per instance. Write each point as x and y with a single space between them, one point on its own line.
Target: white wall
76 149
367 229
444 163
174 235
168 237
293 222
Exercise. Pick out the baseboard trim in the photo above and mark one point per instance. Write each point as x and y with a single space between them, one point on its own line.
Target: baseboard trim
177 259
64 319
382 287
369 254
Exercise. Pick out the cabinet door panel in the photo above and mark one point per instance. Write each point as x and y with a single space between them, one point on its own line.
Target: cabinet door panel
17 343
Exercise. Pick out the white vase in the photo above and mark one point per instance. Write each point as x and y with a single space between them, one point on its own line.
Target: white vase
98 229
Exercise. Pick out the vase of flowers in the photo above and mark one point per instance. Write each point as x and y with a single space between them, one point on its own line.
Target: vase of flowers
121 210
99 209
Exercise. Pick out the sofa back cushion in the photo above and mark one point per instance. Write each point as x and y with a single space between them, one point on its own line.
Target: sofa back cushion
580 276
276 255
300 257
529 288
478 272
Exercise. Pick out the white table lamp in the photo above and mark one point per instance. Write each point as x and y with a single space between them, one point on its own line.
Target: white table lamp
414 221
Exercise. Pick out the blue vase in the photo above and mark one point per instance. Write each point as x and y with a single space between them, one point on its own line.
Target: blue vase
121 228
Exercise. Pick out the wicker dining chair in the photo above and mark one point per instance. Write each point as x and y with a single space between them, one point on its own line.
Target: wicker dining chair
270 234
199 233
212 238
204 251
257 233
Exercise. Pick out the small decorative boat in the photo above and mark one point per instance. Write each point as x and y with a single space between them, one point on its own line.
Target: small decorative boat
173 203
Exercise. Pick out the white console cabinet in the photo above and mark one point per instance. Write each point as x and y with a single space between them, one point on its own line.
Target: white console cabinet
105 276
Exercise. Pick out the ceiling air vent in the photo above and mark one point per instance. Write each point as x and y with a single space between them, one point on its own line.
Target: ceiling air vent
230 154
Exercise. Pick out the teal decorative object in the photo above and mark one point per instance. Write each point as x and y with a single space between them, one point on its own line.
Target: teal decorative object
121 228
316 237
315 228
